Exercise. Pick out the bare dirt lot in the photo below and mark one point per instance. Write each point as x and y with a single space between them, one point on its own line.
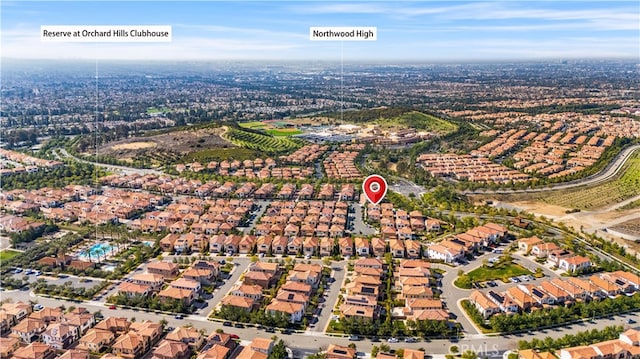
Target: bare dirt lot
590 221
545 209
134 146
166 147
630 227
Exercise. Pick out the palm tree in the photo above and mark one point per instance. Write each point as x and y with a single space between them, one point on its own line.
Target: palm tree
87 253
100 253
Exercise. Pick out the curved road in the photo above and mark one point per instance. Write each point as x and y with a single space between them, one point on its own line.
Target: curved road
114 168
606 174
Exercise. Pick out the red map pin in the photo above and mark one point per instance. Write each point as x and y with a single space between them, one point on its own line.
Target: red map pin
375 188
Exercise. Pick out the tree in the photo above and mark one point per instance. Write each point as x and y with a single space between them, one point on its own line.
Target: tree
454 349
279 351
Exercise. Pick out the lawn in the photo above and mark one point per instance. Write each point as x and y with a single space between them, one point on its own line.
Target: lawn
503 269
7 254
155 110
254 125
284 132
271 128
498 272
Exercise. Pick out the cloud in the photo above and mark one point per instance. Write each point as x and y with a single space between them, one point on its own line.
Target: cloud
247 31
27 44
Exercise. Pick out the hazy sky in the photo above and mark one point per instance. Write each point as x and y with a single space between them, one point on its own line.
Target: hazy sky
267 30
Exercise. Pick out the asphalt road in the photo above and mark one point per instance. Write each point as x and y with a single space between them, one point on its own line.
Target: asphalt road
610 171
331 296
113 168
311 342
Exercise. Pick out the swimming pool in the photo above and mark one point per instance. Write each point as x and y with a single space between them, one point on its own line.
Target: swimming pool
98 249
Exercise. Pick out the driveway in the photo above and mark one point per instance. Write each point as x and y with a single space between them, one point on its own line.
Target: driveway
338 273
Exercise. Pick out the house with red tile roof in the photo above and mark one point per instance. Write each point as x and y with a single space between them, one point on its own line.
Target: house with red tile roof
168 349
35 351
129 345
187 335
96 340
483 304
168 270
215 352
340 352
29 329
173 293
326 246
279 244
294 311
133 289
346 246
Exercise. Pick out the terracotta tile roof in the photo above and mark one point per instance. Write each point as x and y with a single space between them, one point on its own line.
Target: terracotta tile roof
237 301
215 352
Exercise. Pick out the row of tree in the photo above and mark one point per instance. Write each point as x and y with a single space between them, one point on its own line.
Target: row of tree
571 340
560 314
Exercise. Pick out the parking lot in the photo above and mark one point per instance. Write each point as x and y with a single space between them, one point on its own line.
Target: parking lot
76 282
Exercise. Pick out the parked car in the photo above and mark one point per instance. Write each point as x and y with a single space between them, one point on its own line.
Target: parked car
239 325
375 339
17 270
112 307
410 340
269 330
179 316
392 340
227 324
354 338
38 307
631 321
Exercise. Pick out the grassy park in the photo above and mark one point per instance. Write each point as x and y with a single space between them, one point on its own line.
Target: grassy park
7 254
501 270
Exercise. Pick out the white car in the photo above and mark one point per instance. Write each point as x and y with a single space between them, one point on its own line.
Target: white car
38 307
392 340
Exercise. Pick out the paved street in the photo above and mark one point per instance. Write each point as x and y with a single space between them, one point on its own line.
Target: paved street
359 227
310 342
113 168
452 295
331 295
256 215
